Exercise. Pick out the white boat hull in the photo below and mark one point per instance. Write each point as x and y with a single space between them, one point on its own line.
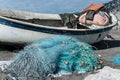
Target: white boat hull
15 31
16 35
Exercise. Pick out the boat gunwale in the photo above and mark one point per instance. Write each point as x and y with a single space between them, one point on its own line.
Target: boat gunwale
57 28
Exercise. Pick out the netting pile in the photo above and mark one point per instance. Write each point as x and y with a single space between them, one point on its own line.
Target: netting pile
51 56
113 5
116 59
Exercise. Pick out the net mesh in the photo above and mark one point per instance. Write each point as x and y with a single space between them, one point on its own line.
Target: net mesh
53 55
116 59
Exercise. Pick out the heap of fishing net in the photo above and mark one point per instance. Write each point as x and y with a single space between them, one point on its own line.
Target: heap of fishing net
51 56
113 5
116 59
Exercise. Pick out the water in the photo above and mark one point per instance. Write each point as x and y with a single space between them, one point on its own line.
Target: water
48 6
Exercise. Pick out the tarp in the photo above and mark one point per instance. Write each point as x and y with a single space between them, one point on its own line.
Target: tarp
107 73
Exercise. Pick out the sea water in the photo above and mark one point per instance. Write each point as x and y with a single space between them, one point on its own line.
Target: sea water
49 6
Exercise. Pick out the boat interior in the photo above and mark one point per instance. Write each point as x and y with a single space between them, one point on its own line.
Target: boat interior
53 20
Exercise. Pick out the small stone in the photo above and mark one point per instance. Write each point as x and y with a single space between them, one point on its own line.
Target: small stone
99 55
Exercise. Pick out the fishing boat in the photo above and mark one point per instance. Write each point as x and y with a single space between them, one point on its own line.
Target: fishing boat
16 27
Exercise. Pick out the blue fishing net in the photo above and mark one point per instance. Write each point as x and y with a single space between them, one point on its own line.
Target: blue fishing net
116 59
51 56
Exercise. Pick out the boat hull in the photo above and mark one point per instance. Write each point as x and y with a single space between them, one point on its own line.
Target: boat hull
17 35
16 31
